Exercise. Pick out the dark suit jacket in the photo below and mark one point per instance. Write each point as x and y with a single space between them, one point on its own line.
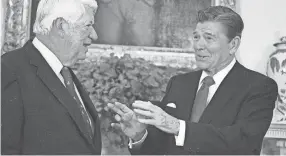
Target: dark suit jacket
38 114
234 122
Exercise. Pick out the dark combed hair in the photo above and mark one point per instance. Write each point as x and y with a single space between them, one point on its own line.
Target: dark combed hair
224 15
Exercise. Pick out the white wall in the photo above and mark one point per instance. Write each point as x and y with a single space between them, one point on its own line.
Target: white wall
264 20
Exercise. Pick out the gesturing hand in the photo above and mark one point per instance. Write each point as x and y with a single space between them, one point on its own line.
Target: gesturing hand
128 122
155 116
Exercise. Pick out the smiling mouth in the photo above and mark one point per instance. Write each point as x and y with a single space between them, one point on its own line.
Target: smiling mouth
202 57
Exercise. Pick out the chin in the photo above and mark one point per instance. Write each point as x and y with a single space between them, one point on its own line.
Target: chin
82 55
202 65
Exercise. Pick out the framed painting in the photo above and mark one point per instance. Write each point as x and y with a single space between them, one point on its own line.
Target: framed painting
151 23
164 37
147 23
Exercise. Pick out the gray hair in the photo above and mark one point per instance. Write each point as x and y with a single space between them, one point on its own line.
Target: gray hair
50 10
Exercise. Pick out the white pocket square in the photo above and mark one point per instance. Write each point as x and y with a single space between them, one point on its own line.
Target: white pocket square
171 105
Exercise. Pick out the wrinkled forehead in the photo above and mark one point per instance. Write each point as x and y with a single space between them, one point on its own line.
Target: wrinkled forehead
211 27
89 9
88 16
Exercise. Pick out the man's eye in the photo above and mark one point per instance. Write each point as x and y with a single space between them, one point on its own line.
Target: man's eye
196 37
209 38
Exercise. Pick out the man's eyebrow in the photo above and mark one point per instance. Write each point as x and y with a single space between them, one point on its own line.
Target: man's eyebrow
210 34
89 23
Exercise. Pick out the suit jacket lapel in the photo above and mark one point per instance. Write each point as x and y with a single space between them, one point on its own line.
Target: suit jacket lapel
222 95
191 91
52 82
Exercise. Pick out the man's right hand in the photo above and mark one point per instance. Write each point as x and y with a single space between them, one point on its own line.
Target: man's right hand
128 122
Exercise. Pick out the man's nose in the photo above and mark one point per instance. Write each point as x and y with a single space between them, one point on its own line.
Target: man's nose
93 34
199 44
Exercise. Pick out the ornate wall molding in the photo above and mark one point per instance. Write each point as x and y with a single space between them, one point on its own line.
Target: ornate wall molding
173 57
17 24
276 131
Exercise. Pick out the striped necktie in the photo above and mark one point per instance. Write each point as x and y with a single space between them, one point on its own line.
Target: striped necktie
201 99
71 89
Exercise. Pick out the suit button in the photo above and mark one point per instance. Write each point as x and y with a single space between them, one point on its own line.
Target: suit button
192 151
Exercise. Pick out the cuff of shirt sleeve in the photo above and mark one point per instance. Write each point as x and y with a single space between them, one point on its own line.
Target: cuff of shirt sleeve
180 139
132 144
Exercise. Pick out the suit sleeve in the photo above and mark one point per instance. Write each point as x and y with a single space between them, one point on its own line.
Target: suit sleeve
156 140
11 113
253 121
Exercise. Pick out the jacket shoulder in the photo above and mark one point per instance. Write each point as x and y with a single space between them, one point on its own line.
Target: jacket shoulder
13 57
8 76
11 63
253 76
255 81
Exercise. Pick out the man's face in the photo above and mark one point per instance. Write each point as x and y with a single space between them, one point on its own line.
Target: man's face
78 37
211 45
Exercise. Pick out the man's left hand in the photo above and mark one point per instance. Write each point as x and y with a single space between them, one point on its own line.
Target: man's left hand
157 117
127 121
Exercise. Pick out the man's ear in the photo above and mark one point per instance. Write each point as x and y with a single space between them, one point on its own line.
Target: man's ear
60 25
234 44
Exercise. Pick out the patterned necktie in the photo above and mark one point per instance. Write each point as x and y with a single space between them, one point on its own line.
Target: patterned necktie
71 88
201 99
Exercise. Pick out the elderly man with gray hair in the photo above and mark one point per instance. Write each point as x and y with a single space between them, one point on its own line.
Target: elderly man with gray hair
44 108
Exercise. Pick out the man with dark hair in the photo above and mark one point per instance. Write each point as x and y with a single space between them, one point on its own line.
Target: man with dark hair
224 108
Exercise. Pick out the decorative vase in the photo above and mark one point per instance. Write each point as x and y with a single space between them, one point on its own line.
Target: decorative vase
276 69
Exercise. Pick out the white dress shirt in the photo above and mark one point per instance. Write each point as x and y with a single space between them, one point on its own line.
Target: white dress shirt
218 78
54 63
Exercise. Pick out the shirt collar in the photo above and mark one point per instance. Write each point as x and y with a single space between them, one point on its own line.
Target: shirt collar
49 56
219 76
